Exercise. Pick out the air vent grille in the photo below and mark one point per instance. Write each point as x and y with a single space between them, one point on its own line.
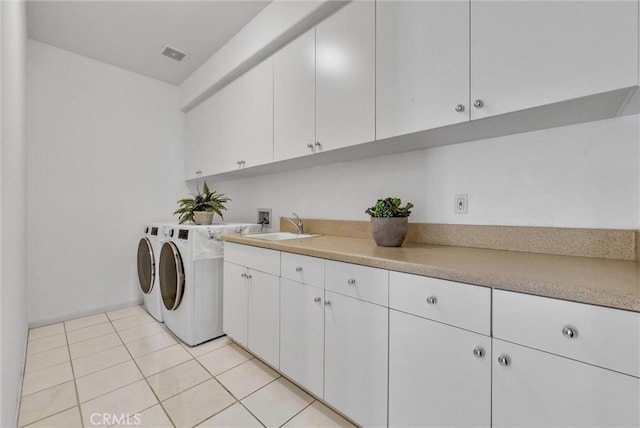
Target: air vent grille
173 53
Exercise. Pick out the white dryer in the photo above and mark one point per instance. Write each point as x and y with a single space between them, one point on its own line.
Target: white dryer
190 272
148 259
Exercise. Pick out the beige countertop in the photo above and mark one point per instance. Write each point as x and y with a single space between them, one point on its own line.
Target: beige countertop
611 283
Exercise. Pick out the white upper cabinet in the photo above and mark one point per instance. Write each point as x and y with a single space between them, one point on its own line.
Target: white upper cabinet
202 130
228 148
422 65
294 100
257 115
531 53
345 77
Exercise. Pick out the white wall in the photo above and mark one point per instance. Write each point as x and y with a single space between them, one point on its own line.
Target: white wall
105 155
13 288
581 176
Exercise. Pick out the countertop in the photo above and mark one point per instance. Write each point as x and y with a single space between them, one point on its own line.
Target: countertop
610 283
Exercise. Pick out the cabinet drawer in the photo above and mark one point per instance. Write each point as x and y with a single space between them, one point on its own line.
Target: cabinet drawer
461 305
256 258
361 282
304 269
600 336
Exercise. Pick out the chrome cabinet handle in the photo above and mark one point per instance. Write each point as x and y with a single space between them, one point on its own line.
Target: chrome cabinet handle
478 103
248 276
504 360
298 268
570 332
243 275
351 281
310 146
478 351
317 299
238 162
432 300
198 172
327 302
317 144
460 108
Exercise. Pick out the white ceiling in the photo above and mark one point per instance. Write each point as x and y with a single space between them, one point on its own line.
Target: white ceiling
131 34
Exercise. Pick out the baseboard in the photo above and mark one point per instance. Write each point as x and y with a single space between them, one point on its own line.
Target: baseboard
67 317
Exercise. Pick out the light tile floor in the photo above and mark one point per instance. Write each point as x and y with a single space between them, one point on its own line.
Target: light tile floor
123 368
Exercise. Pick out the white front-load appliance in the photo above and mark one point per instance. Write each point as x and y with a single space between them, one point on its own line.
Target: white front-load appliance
148 259
190 272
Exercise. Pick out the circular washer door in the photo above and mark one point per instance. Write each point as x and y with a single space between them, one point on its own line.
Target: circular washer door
171 276
146 265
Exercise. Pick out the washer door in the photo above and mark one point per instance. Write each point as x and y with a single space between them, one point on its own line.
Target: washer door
171 276
146 265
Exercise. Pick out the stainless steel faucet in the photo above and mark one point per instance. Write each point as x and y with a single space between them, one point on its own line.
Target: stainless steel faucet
298 223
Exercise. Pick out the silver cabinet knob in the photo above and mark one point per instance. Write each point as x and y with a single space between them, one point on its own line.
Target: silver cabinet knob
570 332
327 302
243 275
432 300
298 268
317 299
317 144
478 351
310 146
504 360
351 281
248 276
198 172
478 103
242 163
460 108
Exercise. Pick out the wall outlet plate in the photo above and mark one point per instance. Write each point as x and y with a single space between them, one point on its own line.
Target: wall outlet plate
461 204
264 217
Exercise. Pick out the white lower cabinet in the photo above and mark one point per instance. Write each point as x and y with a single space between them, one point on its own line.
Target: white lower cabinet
356 357
263 329
234 302
439 376
251 299
535 389
429 361
302 334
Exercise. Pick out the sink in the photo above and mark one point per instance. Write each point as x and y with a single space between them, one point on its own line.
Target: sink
280 236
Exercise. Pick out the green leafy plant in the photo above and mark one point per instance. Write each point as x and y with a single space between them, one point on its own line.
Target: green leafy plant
206 200
389 207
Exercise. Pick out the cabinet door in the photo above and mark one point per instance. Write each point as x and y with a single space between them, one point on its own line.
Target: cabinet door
228 149
202 132
234 302
345 82
535 52
264 316
257 115
302 334
294 98
435 380
422 65
543 390
355 359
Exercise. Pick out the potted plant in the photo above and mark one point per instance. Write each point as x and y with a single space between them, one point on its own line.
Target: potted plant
201 208
389 221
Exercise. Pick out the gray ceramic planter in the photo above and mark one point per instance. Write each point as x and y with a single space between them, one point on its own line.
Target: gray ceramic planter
203 217
389 232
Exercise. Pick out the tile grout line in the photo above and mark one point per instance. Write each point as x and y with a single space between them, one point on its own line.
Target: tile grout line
73 373
159 402
301 410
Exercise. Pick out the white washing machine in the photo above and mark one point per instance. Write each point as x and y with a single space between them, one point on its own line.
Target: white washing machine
148 260
190 272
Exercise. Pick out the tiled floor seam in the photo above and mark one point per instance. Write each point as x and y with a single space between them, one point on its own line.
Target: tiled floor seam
250 412
73 373
46 417
147 382
302 410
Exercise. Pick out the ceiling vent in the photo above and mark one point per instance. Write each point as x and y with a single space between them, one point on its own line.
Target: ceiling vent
174 53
